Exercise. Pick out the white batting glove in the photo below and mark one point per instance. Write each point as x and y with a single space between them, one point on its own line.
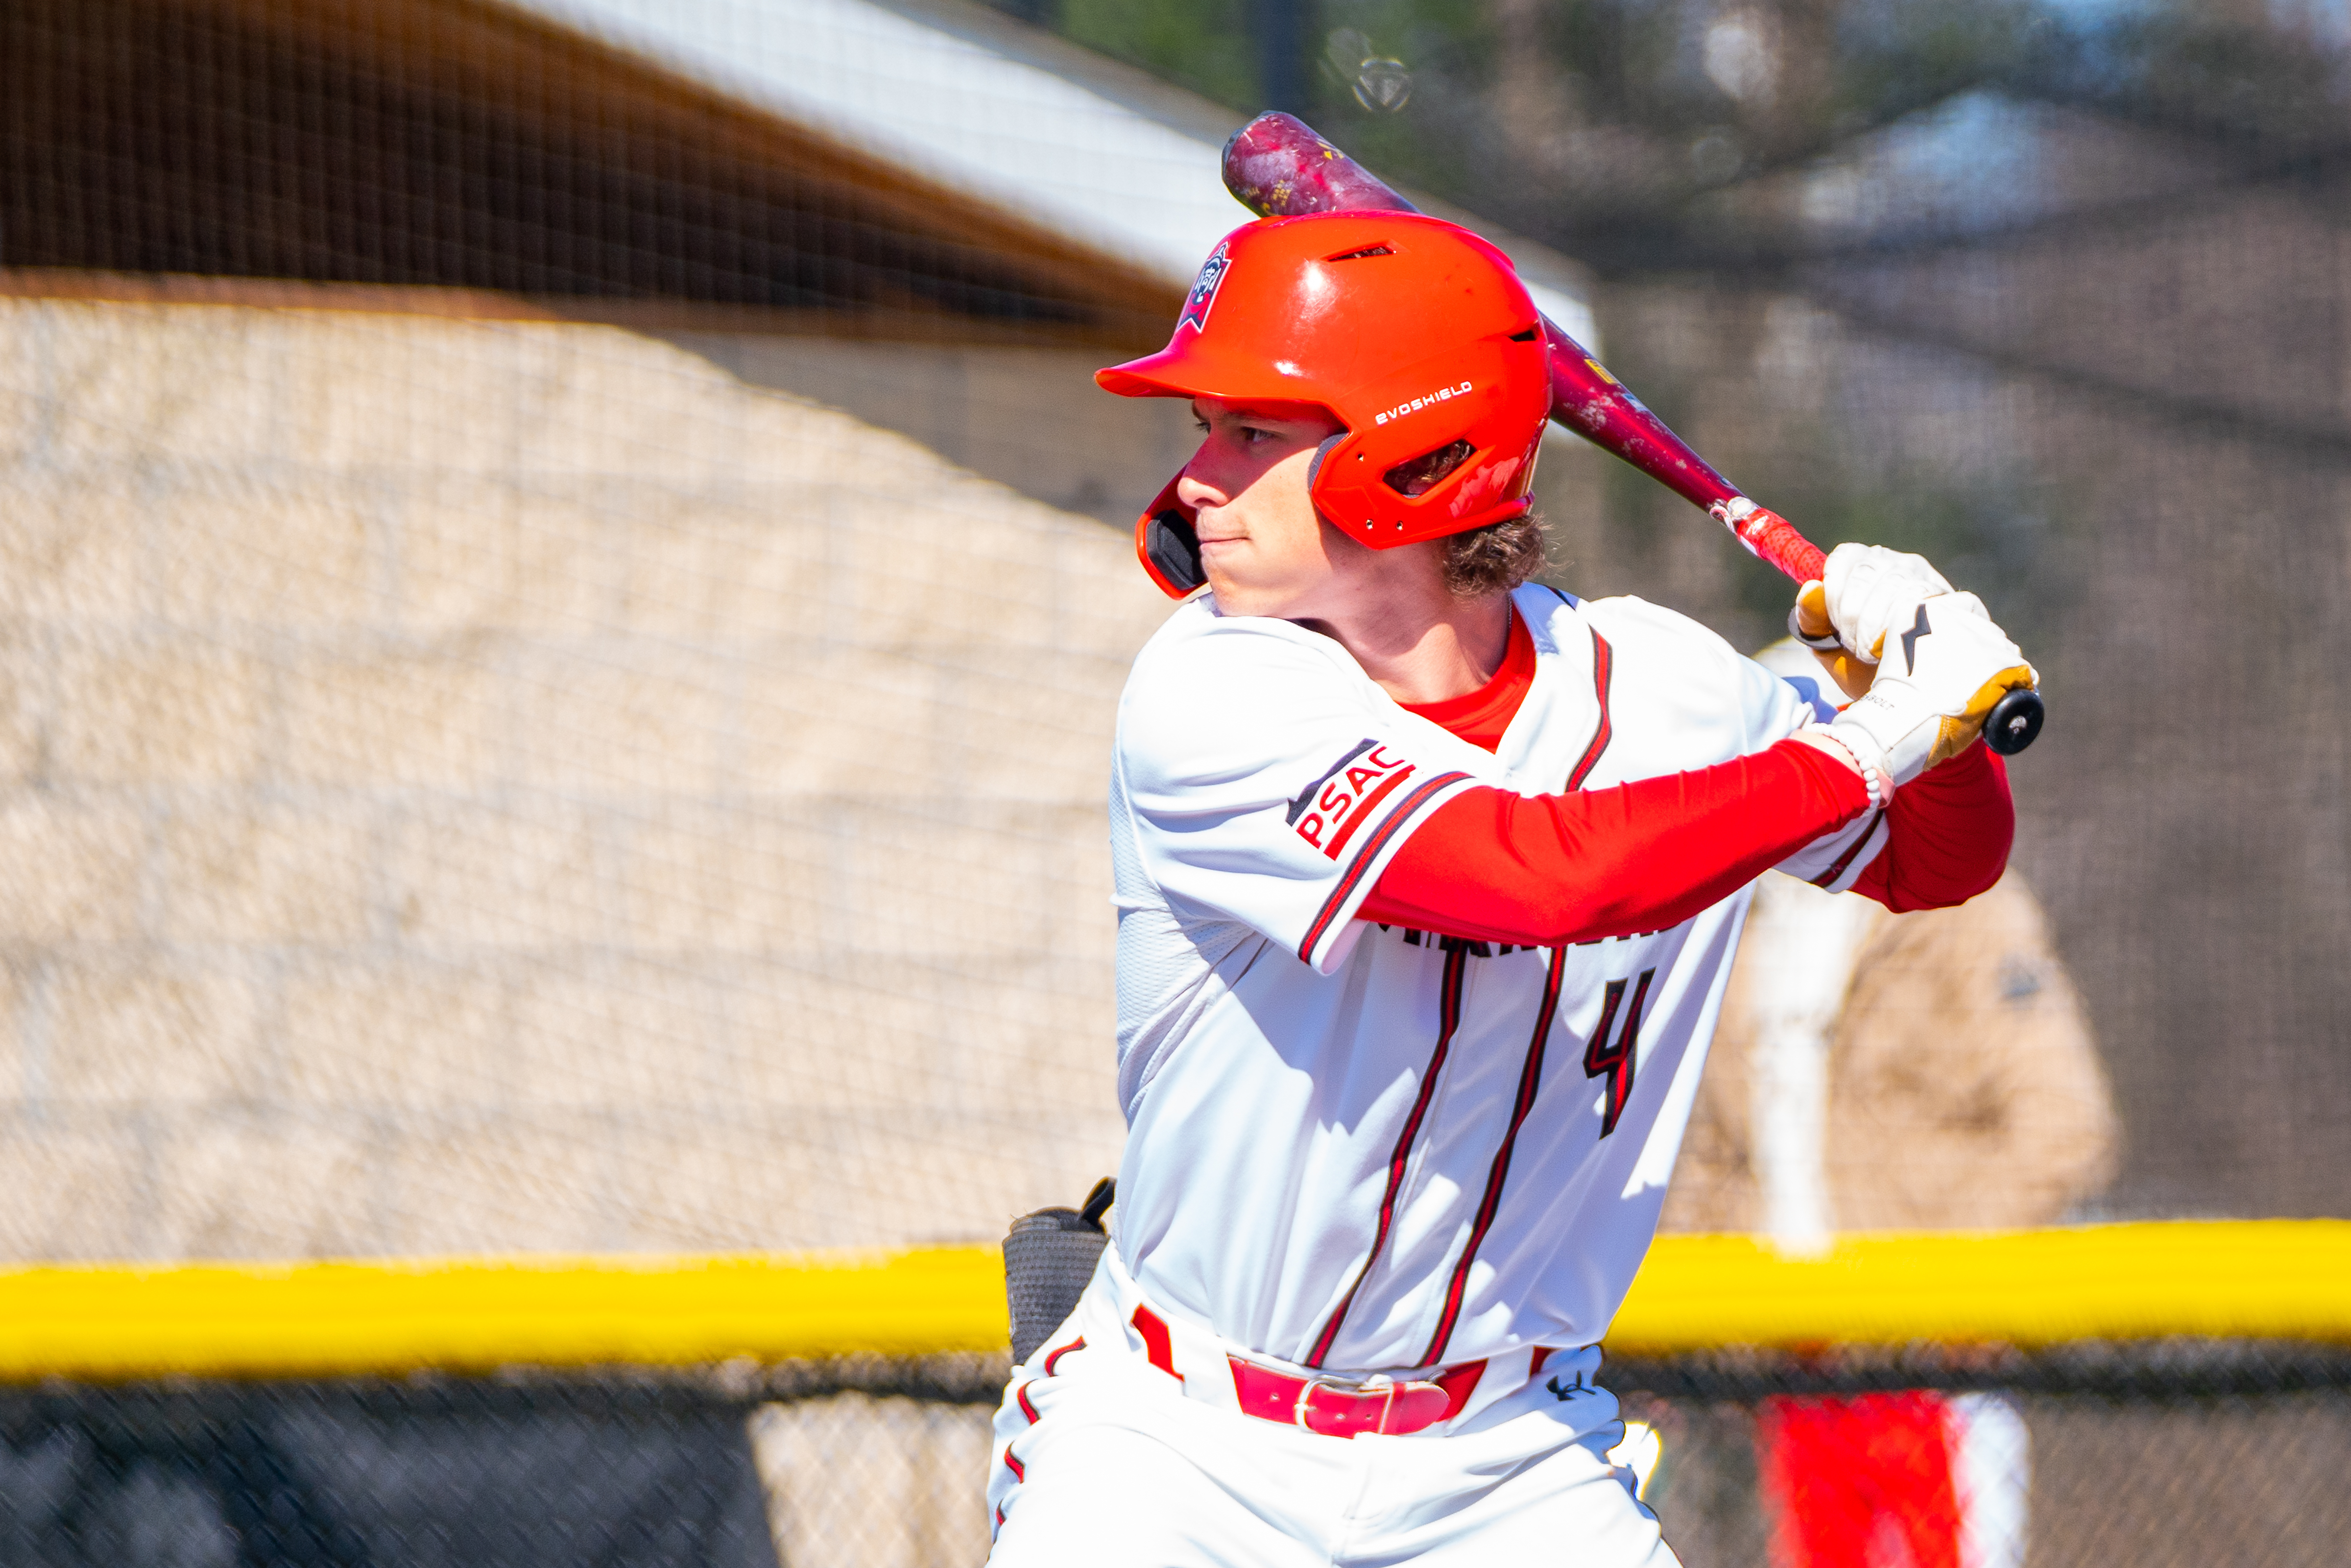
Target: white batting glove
1943 667
1864 589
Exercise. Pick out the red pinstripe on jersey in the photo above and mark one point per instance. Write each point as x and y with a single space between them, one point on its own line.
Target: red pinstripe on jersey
1457 961
1604 660
1530 1082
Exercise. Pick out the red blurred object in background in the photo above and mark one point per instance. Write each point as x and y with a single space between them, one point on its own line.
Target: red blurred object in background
1859 1482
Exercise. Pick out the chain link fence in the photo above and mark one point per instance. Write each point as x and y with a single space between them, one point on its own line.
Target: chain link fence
2153 1453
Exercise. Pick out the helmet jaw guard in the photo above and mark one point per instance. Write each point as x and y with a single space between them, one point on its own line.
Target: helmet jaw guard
1168 545
1414 334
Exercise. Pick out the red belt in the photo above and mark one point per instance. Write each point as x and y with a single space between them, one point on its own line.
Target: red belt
1345 1409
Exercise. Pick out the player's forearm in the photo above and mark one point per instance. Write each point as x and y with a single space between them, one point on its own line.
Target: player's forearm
1548 870
1948 835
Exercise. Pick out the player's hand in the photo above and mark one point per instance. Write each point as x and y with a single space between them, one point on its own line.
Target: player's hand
1939 674
1864 590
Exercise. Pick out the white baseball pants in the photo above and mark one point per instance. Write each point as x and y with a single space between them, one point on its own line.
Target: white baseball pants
1105 1461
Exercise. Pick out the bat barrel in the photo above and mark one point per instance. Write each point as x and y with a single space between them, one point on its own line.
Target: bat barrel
1277 167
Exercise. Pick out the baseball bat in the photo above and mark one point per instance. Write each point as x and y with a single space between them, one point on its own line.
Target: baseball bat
1276 166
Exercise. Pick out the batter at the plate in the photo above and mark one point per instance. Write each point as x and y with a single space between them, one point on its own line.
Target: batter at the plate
1428 881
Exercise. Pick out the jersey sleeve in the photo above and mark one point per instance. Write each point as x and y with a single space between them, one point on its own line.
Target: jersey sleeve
1777 706
1947 835
1266 783
1548 870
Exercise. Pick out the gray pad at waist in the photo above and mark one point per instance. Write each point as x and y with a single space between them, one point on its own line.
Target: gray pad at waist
1048 1258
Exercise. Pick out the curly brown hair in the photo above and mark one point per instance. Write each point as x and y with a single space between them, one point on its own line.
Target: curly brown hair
1495 558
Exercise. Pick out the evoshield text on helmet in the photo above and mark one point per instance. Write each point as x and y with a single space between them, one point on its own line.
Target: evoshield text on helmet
1418 337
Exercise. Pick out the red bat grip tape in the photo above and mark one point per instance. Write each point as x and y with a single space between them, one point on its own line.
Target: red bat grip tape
1772 538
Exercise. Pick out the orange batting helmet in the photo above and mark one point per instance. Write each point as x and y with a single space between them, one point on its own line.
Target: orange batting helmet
1415 334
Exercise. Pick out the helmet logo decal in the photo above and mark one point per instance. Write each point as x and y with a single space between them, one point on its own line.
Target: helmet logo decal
1441 394
1203 290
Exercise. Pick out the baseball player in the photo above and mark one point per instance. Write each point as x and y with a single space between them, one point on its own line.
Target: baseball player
1429 879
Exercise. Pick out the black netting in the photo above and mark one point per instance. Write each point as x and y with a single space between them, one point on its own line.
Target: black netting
843 1462
2161 1453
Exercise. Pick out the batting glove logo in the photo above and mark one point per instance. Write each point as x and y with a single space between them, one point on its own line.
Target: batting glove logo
1918 628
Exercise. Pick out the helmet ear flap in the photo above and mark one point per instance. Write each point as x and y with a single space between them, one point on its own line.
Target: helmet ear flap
1324 492
1168 545
1315 466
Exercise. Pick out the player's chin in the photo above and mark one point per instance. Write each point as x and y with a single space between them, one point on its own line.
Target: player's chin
1235 577
1237 595
1251 575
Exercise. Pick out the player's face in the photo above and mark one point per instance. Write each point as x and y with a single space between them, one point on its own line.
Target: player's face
1265 550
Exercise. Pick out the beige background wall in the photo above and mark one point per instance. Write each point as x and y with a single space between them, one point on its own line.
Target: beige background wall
475 785
1028 417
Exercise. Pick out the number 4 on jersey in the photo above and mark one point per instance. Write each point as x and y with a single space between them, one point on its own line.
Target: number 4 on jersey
1616 1062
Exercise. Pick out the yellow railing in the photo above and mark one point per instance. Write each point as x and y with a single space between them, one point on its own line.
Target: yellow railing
292 1319
2269 1278
2282 1278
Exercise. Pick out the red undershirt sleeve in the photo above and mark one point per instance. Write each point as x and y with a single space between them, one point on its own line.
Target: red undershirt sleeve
1947 835
1544 870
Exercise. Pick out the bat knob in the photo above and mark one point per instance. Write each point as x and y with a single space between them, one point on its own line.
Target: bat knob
2014 721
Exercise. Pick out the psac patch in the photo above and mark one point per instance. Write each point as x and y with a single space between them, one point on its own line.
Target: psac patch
1203 290
1327 812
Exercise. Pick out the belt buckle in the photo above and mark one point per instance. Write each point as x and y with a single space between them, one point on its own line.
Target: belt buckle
1353 1390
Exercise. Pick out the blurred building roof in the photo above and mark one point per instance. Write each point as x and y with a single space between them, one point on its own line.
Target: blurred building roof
811 167
961 95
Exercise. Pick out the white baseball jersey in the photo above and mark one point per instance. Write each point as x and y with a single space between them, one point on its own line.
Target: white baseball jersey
1371 1149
